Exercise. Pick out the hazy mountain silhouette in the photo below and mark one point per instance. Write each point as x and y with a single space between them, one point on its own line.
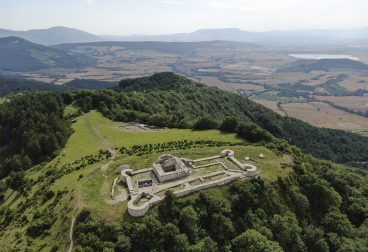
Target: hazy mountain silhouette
64 35
347 36
19 55
53 35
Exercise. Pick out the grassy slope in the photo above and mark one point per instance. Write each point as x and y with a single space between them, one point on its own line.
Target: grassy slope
70 110
363 132
92 133
96 132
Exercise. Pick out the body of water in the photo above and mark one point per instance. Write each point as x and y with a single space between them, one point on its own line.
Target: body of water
323 56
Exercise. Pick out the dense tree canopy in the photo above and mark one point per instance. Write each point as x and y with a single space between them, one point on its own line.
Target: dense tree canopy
10 85
229 124
32 128
253 241
248 216
169 100
319 206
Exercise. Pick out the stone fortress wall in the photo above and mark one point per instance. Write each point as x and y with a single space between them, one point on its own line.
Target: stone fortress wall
170 171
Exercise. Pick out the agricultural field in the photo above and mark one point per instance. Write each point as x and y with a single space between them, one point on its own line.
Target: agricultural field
84 173
317 80
357 103
255 71
355 81
227 66
273 96
320 113
228 86
323 115
273 105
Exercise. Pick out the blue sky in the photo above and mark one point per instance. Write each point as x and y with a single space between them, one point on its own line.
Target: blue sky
124 17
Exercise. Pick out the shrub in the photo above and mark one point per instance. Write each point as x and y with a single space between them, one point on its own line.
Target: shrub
253 133
49 194
229 124
205 123
39 226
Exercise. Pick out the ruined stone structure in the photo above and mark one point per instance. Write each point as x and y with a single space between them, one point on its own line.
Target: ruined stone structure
169 167
182 176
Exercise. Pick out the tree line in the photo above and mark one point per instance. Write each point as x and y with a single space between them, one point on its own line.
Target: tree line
32 129
169 100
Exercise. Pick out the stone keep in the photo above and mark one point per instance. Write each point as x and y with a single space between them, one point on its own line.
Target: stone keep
169 167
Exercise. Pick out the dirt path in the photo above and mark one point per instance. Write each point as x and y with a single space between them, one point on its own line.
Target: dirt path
105 144
71 231
105 166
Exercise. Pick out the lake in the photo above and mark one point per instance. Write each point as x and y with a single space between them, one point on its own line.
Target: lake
323 56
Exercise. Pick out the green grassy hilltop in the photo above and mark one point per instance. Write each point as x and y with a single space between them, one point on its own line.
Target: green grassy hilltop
59 152
90 186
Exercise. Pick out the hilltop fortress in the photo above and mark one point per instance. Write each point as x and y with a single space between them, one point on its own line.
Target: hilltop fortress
147 187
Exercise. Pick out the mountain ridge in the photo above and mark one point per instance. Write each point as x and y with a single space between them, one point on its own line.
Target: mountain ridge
52 36
20 55
301 36
61 35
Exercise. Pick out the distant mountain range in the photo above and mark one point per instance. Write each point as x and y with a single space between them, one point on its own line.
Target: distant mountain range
20 55
344 37
62 35
53 35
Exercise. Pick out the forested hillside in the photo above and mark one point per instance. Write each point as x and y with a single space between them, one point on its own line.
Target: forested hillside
326 65
315 206
169 100
20 55
320 207
13 85
32 128
10 85
89 84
